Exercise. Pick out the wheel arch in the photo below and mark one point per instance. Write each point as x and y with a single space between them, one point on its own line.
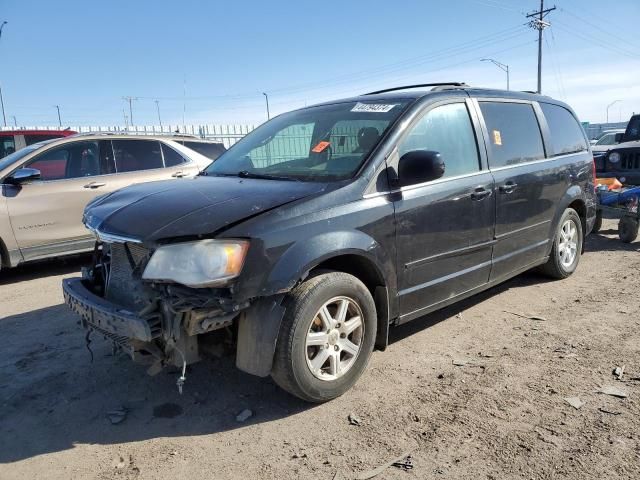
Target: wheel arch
368 272
573 198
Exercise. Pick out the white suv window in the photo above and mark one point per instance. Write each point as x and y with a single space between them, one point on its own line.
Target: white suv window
135 155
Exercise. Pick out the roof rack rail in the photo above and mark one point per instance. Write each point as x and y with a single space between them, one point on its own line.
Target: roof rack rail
435 85
135 133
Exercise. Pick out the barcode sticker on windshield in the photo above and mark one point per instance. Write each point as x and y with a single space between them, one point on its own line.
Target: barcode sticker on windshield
373 107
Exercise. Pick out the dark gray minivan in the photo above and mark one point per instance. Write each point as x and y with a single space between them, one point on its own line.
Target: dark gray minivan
324 227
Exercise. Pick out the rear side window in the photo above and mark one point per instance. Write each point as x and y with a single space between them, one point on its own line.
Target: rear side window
7 146
209 150
171 157
135 155
514 133
566 133
448 130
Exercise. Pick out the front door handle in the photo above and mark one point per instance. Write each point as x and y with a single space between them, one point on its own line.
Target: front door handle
508 187
179 174
94 185
480 193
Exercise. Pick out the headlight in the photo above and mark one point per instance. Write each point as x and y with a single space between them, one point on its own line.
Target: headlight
614 157
205 263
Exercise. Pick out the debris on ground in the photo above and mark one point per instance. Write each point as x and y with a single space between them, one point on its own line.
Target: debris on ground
466 363
575 402
610 412
378 470
405 464
618 372
530 317
117 416
613 391
354 419
244 415
299 455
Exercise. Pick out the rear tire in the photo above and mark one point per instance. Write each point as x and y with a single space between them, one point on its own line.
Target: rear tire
567 246
628 229
326 337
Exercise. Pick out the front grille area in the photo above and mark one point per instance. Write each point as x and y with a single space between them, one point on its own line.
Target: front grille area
126 264
630 160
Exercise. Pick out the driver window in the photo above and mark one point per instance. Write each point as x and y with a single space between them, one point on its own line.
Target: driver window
288 144
446 129
72 160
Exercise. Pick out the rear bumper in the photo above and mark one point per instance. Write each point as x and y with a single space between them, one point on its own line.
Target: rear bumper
98 314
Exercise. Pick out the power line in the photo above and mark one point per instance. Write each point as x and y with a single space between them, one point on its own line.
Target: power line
475 44
596 26
494 4
595 40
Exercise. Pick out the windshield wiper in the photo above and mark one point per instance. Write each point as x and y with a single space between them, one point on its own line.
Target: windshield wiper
266 176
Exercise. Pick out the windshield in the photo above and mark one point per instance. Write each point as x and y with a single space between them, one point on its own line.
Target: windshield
15 156
322 143
607 139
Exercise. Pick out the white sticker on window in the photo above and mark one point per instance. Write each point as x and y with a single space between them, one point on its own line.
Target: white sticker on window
373 107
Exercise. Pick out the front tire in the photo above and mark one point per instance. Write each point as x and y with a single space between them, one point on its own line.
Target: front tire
567 246
326 337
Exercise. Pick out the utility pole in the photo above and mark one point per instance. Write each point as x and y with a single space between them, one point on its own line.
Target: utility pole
538 23
158 110
502 66
130 100
59 119
4 116
266 97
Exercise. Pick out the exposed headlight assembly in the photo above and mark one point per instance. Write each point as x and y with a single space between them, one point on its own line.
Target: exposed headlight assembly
614 157
205 263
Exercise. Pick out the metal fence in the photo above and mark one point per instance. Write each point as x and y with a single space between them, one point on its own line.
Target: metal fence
226 134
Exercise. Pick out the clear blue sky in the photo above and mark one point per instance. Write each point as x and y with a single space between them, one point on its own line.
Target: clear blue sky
85 56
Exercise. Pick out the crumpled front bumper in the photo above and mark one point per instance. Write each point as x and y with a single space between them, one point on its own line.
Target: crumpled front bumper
103 316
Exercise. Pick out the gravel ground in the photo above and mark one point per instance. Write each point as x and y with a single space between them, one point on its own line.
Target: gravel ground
471 392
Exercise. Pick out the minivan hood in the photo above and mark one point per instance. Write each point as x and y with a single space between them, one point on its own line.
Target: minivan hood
189 207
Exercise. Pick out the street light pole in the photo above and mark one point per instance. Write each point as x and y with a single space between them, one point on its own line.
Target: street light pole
59 119
266 97
502 66
15 122
609 106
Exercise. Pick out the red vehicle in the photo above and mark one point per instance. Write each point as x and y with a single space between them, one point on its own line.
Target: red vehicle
12 140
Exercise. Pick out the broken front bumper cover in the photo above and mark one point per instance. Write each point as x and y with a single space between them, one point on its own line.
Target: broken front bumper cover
103 316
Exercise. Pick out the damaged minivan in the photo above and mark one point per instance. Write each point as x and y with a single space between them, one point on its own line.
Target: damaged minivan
321 229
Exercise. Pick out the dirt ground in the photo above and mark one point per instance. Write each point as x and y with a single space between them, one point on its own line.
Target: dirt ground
472 392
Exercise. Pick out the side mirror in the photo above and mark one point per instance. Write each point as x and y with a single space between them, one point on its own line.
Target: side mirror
618 137
419 166
23 175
